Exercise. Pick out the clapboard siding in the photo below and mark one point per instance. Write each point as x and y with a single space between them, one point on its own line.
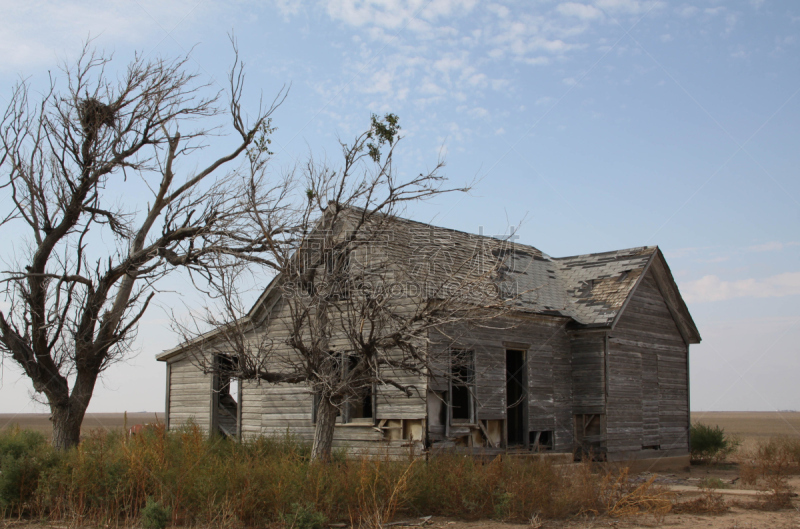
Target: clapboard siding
588 372
648 390
189 394
547 348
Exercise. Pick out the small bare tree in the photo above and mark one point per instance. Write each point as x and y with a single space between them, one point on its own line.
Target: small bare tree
353 305
97 173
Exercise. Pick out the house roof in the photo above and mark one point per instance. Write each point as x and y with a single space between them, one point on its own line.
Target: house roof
591 289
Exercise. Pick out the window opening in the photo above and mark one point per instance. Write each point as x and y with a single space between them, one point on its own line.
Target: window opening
462 380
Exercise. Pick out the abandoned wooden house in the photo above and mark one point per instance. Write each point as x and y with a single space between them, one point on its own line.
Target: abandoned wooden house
597 359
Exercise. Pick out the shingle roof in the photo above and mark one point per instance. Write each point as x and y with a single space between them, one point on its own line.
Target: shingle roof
591 288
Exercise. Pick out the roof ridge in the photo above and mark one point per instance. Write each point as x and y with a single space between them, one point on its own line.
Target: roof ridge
621 251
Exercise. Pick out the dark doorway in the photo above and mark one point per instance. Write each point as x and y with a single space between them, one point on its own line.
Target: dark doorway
517 397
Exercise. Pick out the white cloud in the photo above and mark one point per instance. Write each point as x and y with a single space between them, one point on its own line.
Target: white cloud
479 112
686 11
395 14
632 7
536 61
28 38
771 246
712 288
666 37
499 10
582 11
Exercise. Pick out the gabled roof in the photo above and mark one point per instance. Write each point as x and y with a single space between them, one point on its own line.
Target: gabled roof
598 284
590 289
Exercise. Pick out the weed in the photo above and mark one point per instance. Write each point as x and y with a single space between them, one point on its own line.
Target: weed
155 515
710 444
502 504
713 483
109 477
708 503
625 499
304 516
24 456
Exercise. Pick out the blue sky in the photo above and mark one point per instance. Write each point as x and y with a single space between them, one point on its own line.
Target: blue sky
596 125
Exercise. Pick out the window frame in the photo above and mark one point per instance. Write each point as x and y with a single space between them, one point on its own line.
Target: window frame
470 385
343 416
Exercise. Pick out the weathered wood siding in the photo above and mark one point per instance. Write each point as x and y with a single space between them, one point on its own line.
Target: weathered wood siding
550 381
549 374
189 394
648 387
278 409
588 372
273 410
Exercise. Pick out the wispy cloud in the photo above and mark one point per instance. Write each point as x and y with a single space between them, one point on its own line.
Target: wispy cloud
582 11
712 288
28 38
395 14
772 246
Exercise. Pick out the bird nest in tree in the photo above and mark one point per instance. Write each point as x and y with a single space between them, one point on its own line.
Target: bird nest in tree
94 114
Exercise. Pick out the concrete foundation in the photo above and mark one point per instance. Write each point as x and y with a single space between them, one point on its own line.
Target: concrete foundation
654 464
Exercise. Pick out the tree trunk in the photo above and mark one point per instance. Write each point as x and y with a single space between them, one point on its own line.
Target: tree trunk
67 425
323 432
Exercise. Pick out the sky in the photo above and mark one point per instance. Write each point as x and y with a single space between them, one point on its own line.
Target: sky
591 126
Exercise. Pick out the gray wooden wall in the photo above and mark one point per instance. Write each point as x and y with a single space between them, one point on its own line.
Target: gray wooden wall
189 394
547 347
648 386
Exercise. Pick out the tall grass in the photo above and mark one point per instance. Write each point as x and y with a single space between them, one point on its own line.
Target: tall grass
109 478
768 466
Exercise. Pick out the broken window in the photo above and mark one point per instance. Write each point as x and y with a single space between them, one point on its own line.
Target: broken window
589 439
358 408
226 388
541 440
462 381
588 425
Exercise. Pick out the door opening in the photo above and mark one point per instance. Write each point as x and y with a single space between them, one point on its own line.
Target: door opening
517 398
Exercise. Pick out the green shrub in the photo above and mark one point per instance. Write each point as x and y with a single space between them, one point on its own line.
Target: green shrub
502 505
304 516
24 456
710 444
155 515
713 483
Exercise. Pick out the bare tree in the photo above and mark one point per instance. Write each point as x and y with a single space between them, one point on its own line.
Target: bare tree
75 162
352 304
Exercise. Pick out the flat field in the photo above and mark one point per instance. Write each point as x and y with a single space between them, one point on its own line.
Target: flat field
745 424
107 421
752 426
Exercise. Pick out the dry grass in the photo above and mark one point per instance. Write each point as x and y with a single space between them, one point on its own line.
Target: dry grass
624 499
107 480
708 503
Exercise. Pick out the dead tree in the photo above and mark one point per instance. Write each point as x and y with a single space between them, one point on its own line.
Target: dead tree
102 206
349 314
